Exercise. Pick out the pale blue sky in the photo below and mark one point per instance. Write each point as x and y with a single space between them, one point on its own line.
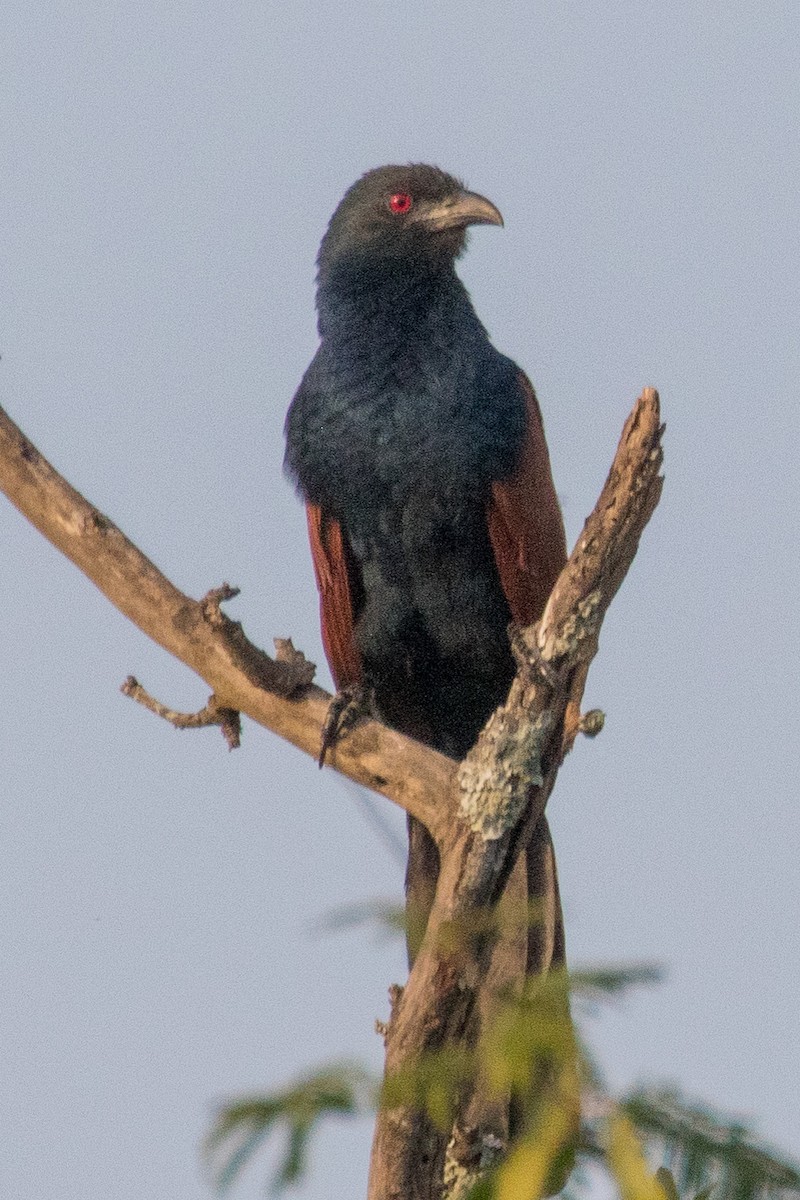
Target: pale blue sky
166 173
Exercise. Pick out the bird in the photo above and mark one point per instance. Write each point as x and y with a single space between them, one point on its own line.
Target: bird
419 451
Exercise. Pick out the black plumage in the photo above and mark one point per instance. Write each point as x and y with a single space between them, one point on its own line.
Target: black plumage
401 423
406 428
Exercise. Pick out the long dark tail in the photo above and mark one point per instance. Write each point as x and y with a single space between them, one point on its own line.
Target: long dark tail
422 873
546 948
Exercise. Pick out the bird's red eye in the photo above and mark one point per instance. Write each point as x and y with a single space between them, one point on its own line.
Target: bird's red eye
400 202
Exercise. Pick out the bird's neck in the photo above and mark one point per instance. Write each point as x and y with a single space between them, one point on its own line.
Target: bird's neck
388 303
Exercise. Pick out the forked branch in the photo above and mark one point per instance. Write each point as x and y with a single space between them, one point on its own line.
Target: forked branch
481 813
500 795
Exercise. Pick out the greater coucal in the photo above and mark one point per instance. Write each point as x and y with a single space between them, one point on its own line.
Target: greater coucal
419 450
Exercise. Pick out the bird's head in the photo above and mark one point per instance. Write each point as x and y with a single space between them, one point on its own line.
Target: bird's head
401 216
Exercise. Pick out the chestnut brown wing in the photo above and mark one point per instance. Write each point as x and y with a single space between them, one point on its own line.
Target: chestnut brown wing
330 556
526 528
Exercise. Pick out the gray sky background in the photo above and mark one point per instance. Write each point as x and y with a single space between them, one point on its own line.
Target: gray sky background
166 174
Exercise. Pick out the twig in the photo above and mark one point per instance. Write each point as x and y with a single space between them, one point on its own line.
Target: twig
227 718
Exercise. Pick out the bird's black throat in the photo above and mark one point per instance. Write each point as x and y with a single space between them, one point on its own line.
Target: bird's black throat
404 419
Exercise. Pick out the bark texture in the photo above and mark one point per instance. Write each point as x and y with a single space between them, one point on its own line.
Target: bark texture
482 813
498 799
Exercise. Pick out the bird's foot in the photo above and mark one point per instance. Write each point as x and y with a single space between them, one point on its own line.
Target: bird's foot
343 711
530 657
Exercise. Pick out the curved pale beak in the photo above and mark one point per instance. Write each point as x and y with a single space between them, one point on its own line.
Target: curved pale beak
456 212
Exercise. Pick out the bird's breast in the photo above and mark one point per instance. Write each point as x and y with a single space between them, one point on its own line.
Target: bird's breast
403 399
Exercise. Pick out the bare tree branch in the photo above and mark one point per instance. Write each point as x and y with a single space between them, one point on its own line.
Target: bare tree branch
228 719
482 813
501 791
272 692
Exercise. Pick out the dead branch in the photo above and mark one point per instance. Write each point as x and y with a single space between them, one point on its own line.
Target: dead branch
228 719
500 792
482 813
276 693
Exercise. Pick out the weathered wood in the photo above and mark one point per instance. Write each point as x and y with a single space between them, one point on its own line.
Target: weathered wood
242 677
482 813
501 791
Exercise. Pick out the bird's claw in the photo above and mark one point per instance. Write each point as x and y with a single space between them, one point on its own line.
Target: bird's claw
530 656
343 711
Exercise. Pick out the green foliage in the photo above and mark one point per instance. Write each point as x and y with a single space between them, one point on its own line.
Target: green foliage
606 983
668 1185
530 1050
710 1151
431 1084
539 1162
529 1034
241 1127
393 920
627 1163
388 918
